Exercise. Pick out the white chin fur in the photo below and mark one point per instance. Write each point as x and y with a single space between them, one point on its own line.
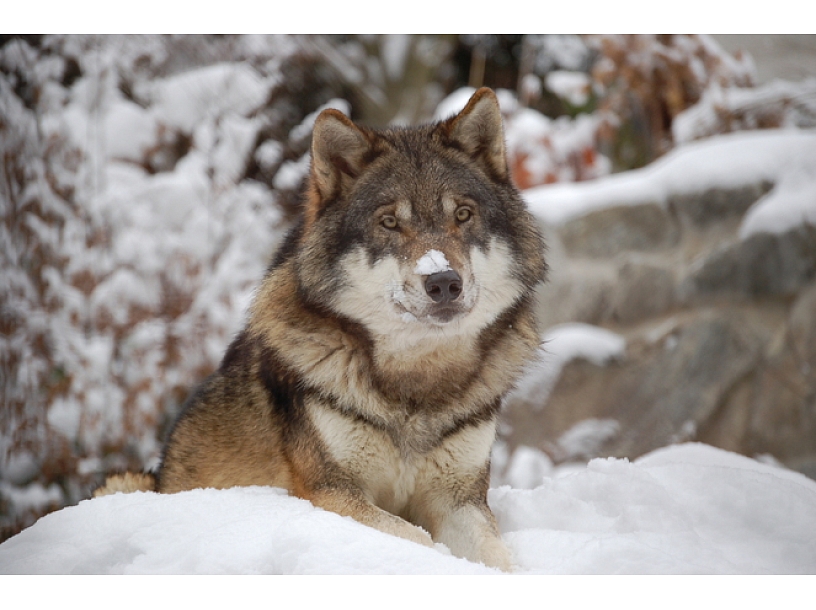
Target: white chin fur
389 298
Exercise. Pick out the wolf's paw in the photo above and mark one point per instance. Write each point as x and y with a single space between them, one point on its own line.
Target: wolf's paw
498 558
416 534
493 553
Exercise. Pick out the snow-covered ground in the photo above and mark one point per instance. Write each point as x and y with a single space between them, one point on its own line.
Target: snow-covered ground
686 509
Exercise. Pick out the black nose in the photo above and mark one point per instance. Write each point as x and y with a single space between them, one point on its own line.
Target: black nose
444 287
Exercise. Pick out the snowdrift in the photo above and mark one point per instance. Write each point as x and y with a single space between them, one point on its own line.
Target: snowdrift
686 509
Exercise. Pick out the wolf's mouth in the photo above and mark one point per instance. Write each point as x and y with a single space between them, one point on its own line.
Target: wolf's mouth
436 314
444 313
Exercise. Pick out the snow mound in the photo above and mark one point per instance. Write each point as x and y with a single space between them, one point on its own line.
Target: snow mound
682 509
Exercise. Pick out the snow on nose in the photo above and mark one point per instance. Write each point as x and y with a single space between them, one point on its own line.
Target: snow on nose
433 261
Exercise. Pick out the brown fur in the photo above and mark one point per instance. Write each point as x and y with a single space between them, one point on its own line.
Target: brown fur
127 482
362 395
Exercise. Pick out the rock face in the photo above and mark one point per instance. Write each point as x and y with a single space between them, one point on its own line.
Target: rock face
646 227
765 264
720 332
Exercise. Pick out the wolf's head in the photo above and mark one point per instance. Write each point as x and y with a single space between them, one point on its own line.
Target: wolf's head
419 231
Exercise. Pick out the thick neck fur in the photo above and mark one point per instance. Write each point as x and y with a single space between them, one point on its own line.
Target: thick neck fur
328 352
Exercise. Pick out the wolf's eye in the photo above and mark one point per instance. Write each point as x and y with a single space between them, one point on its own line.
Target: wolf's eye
389 222
463 214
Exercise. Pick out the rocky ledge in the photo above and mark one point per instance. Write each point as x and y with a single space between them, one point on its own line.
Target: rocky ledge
715 308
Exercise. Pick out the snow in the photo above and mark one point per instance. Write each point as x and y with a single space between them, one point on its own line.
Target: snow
19 467
129 130
64 416
571 86
785 157
586 437
269 154
453 103
686 509
304 129
791 203
230 155
456 102
560 345
793 103
433 261
186 100
395 50
683 509
566 51
526 470
35 496
292 173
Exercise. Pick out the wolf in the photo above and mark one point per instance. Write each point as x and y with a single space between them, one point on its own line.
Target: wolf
393 319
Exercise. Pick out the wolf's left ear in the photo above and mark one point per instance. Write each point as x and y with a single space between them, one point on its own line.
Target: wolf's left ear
478 130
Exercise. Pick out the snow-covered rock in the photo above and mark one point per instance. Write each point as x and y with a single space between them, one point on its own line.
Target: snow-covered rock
699 262
780 157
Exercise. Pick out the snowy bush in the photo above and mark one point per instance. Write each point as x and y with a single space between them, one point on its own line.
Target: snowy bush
587 105
645 81
723 110
131 238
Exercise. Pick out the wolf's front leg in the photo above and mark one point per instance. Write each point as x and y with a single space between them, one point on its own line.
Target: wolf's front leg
451 497
353 504
470 531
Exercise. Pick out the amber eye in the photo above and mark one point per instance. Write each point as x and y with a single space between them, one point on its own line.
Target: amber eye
463 214
389 222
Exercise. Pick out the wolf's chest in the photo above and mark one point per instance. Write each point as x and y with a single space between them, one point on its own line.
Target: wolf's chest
392 466
386 462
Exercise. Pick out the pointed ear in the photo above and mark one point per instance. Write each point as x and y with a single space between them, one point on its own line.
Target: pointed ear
339 150
478 131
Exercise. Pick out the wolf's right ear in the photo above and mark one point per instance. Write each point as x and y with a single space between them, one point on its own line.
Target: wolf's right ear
339 149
